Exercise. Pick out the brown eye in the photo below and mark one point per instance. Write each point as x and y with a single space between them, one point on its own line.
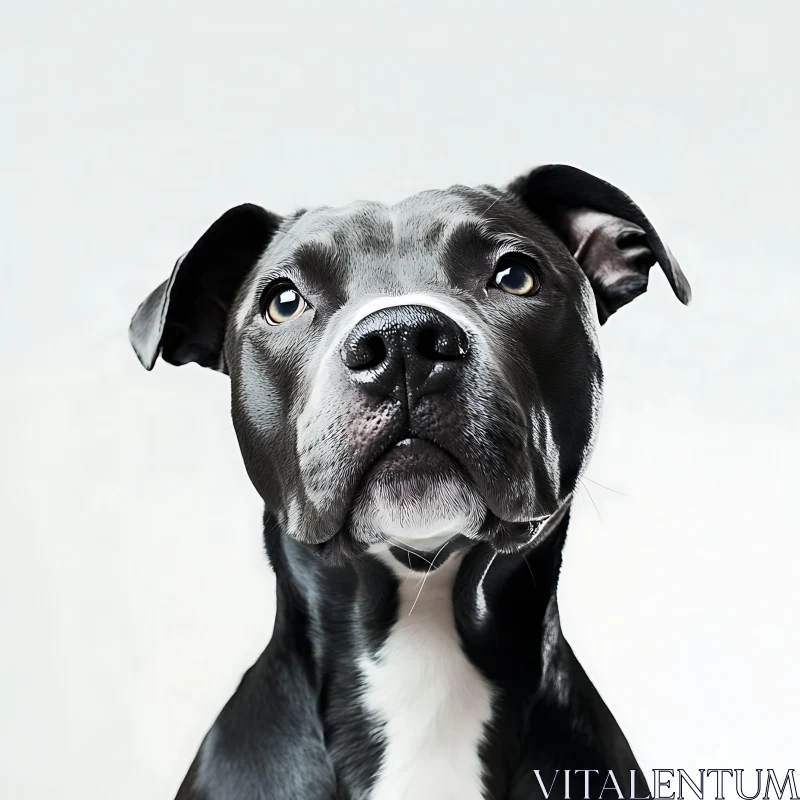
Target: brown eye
515 275
283 303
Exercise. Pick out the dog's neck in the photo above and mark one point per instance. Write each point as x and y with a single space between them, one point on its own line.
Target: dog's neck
429 684
504 605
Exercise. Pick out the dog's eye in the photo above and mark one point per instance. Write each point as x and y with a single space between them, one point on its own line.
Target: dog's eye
515 275
283 303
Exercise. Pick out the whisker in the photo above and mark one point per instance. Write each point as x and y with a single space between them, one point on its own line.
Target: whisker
426 576
603 486
272 528
529 570
410 568
483 215
586 489
410 553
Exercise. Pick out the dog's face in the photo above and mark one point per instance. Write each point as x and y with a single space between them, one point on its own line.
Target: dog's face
414 371
410 373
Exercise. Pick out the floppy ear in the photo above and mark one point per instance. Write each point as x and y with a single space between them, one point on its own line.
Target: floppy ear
606 232
184 319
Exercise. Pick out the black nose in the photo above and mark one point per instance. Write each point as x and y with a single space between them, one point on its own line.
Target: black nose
405 350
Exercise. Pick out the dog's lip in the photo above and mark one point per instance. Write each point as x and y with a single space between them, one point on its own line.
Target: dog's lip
410 442
414 440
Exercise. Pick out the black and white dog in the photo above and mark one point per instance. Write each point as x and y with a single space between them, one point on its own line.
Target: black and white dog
415 391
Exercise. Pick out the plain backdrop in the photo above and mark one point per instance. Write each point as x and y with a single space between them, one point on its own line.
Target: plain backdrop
133 583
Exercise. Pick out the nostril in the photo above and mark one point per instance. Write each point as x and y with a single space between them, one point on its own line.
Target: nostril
426 344
365 353
442 344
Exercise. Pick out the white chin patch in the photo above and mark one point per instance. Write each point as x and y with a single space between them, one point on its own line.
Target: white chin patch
421 511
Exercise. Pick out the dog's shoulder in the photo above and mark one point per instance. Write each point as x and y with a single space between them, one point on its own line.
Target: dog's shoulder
268 740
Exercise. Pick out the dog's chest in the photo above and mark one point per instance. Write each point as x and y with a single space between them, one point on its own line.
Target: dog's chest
431 704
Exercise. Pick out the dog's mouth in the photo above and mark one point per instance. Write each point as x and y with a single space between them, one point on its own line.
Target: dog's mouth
418 496
412 453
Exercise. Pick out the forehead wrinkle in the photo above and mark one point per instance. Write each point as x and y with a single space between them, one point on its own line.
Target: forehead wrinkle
317 252
472 229
315 259
370 229
421 221
360 226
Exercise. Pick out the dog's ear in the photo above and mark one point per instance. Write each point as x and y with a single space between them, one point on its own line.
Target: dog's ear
185 318
606 232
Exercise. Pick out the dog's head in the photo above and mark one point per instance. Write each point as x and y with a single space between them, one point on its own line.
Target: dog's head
412 372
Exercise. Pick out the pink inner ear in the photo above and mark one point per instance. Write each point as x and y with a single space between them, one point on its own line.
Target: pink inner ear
608 248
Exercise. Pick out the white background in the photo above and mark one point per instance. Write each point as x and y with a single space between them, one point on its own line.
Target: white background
133 585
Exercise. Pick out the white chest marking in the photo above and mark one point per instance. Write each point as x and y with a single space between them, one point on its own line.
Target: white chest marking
432 702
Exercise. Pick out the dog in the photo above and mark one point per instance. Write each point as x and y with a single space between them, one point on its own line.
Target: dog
415 392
